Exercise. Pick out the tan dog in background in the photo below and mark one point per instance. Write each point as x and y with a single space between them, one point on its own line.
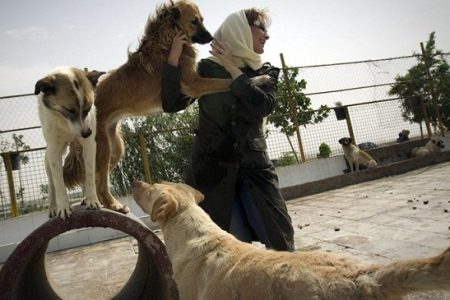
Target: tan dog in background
68 118
432 146
135 87
355 156
209 263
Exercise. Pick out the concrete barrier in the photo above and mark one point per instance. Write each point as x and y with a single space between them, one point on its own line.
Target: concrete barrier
24 275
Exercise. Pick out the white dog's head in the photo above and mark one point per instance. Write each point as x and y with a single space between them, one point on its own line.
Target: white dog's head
163 200
438 143
69 92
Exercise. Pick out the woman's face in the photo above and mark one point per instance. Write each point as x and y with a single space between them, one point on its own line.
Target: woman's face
260 36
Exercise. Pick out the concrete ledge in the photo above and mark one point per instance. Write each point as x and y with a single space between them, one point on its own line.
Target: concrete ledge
339 181
23 276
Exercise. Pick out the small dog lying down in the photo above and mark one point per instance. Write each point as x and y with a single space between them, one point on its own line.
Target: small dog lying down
433 146
209 263
356 156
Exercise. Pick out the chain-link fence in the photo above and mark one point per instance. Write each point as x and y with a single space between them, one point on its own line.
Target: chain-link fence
373 118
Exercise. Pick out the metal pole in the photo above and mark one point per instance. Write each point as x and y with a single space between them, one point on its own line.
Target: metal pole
292 107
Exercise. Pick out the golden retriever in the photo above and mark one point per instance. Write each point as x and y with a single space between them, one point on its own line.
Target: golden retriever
135 87
355 156
209 263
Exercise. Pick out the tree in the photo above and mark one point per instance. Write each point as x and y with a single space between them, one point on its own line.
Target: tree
17 144
284 117
415 87
169 139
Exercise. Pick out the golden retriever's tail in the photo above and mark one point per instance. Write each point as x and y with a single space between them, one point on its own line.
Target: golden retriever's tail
402 277
74 172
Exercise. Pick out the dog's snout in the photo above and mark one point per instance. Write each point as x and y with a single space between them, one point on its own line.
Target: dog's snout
202 37
85 133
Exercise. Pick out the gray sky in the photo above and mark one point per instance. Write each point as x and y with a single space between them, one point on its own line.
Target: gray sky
37 36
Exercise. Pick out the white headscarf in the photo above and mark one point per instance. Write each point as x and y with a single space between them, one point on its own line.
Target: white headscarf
235 32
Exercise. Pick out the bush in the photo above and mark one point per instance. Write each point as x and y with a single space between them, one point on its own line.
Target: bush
324 151
288 158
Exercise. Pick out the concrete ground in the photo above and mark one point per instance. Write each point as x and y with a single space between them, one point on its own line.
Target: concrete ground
398 217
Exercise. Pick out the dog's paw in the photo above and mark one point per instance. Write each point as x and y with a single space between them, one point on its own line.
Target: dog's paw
124 209
51 212
261 79
64 212
91 203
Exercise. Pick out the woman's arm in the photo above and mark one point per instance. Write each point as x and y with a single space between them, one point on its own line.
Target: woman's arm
258 100
172 98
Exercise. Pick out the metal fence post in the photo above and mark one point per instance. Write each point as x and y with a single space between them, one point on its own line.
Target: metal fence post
12 190
292 107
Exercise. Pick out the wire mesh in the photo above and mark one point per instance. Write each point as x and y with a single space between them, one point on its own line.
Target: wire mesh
363 87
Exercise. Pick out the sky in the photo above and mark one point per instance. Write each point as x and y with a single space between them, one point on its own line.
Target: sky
36 36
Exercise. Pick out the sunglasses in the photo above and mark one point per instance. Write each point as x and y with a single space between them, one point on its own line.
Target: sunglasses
260 25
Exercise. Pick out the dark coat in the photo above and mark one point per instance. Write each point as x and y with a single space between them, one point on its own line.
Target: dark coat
230 146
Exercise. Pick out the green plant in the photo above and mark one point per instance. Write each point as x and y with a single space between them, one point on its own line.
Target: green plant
324 151
415 87
293 106
286 159
17 144
168 142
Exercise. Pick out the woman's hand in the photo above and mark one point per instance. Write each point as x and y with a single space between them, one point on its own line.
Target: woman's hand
179 40
222 52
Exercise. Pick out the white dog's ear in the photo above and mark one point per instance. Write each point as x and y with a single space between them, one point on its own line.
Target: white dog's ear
164 208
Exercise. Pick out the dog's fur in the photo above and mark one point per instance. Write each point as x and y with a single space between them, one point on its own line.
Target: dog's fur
355 156
135 87
67 114
433 146
209 263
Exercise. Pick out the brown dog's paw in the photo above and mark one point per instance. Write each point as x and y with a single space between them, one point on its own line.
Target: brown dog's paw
124 209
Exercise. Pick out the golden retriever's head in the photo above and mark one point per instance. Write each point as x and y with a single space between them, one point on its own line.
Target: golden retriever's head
186 16
70 92
163 200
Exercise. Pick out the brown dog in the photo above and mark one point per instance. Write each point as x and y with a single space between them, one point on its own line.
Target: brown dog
209 263
355 156
135 87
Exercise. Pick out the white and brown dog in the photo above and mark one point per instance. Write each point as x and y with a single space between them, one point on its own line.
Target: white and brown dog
68 117
209 263
434 145
355 156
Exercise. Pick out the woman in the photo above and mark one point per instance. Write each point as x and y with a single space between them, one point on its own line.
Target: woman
229 162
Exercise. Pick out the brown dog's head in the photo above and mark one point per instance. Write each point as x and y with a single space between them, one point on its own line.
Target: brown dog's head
345 141
163 200
70 92
185 16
